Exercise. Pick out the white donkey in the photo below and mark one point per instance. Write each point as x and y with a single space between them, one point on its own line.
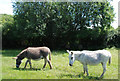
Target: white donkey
90 58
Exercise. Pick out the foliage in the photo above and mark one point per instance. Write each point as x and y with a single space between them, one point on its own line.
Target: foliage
77 25
8 30
114 38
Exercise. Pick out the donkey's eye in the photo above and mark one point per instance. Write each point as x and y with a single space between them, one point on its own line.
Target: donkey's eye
71 57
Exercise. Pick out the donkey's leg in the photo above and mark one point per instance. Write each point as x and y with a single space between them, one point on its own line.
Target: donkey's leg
49 62
86 69
45 62
104 69
30 64
26 63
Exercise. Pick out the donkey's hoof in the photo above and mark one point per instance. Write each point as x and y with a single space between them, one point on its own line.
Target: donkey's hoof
101 77
31 68
43 68
24 68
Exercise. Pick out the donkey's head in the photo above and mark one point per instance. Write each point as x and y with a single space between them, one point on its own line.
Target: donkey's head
71 57
19 57
18 62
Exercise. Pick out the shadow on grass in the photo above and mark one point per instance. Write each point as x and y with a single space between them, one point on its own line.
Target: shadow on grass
80 76
58 52
91 77
28 69
13 53
10 53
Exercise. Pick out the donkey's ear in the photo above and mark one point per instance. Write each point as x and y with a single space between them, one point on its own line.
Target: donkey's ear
14 57
71 53
68 51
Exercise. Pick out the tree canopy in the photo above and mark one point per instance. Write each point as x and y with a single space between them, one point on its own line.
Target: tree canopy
61 25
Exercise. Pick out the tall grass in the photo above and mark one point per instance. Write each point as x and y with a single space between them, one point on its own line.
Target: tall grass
61 69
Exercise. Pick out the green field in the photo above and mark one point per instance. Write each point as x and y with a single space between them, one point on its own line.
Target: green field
61 69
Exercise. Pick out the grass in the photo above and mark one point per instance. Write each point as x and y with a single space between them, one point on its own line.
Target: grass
61 69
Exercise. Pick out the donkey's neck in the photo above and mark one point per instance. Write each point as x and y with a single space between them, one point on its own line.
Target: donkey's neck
77 56
22 55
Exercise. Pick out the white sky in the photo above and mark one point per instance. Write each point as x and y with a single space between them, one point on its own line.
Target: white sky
115 5
6 8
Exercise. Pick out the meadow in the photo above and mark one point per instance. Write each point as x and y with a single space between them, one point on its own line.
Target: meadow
61 68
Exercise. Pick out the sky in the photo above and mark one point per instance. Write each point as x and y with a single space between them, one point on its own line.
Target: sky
6 8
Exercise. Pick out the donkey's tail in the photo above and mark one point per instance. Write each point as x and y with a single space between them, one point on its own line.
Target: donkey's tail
109 60
50 56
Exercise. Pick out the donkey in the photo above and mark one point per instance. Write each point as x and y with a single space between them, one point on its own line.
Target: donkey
34 53
90 58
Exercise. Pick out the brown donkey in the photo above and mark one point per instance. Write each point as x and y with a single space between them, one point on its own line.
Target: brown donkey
34 53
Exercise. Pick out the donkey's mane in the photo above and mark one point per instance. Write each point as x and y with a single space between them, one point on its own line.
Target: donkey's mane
21 54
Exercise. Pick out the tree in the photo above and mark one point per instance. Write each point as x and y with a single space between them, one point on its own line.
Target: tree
114 38
76 25
8 33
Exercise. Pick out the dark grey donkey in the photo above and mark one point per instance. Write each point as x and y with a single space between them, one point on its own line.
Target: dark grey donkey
34 53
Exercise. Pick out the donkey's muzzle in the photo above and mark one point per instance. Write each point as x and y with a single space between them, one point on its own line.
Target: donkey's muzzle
17 66
70 64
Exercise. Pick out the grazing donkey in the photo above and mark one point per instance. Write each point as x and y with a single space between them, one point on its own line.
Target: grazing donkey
90 58
34 53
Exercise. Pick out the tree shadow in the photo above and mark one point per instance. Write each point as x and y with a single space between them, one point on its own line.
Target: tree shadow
10 53
14 53
58 52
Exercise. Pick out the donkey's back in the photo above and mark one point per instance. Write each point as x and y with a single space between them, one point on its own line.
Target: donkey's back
95 57
37 52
